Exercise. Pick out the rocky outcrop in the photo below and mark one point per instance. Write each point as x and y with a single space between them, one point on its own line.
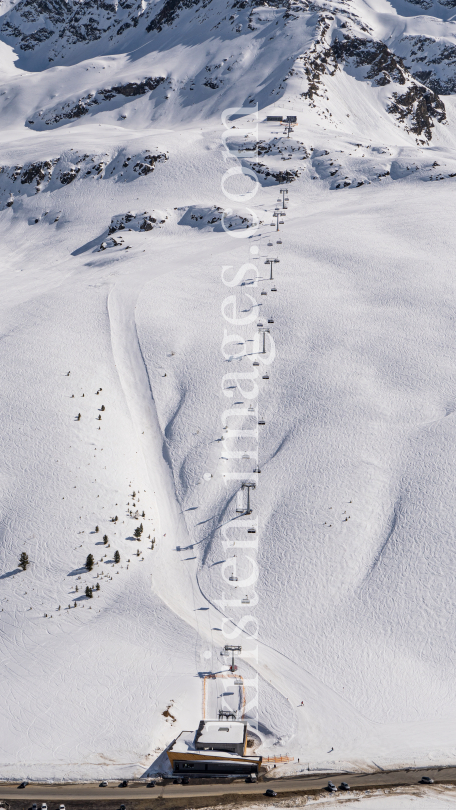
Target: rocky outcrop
417 108
57 25
432 62
268 175
383 67
56 173
170 11
71 110
211 218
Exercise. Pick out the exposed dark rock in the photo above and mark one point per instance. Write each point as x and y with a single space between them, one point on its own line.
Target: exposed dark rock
148 165
432 62
67 177
384 66
170 11
287 176
52 174
30 41
69 111
135 88
420 106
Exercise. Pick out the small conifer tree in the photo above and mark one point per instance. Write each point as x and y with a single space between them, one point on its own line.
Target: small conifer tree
88 592
102 408
97 529
137 533
117 557
78 417
97 586
89 562
105 538
23 561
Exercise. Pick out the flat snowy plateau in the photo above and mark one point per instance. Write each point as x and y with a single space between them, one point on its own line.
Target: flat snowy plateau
113 272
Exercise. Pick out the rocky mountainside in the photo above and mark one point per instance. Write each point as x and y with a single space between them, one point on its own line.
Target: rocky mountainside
411 59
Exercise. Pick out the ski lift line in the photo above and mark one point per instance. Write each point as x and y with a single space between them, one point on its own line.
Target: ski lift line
204 697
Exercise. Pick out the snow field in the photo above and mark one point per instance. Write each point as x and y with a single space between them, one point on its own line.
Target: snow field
354 500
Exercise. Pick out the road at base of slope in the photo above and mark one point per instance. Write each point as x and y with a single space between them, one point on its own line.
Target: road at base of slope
139 791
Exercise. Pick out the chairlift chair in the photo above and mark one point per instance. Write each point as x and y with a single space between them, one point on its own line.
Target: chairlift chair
255 363
233 579
251 531
260 422
265 376
263 292
270 320
273 289
245 601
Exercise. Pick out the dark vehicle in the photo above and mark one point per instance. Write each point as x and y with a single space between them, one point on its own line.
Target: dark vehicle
151 784
103 784
344 786
270 792
185 780
176 781
122 807
426 780
331 787
23 785
124 783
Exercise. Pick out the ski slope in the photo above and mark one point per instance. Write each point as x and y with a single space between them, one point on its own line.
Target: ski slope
354 603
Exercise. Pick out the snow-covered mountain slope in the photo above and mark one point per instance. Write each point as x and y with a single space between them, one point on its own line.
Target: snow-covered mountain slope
115 228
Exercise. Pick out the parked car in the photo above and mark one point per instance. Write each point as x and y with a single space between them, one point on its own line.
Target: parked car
185 780
124 783
122 807
176 781
61 807
331 787
23 784
270 792
344 786
44 806
151 783
426 780
34 807
103 784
